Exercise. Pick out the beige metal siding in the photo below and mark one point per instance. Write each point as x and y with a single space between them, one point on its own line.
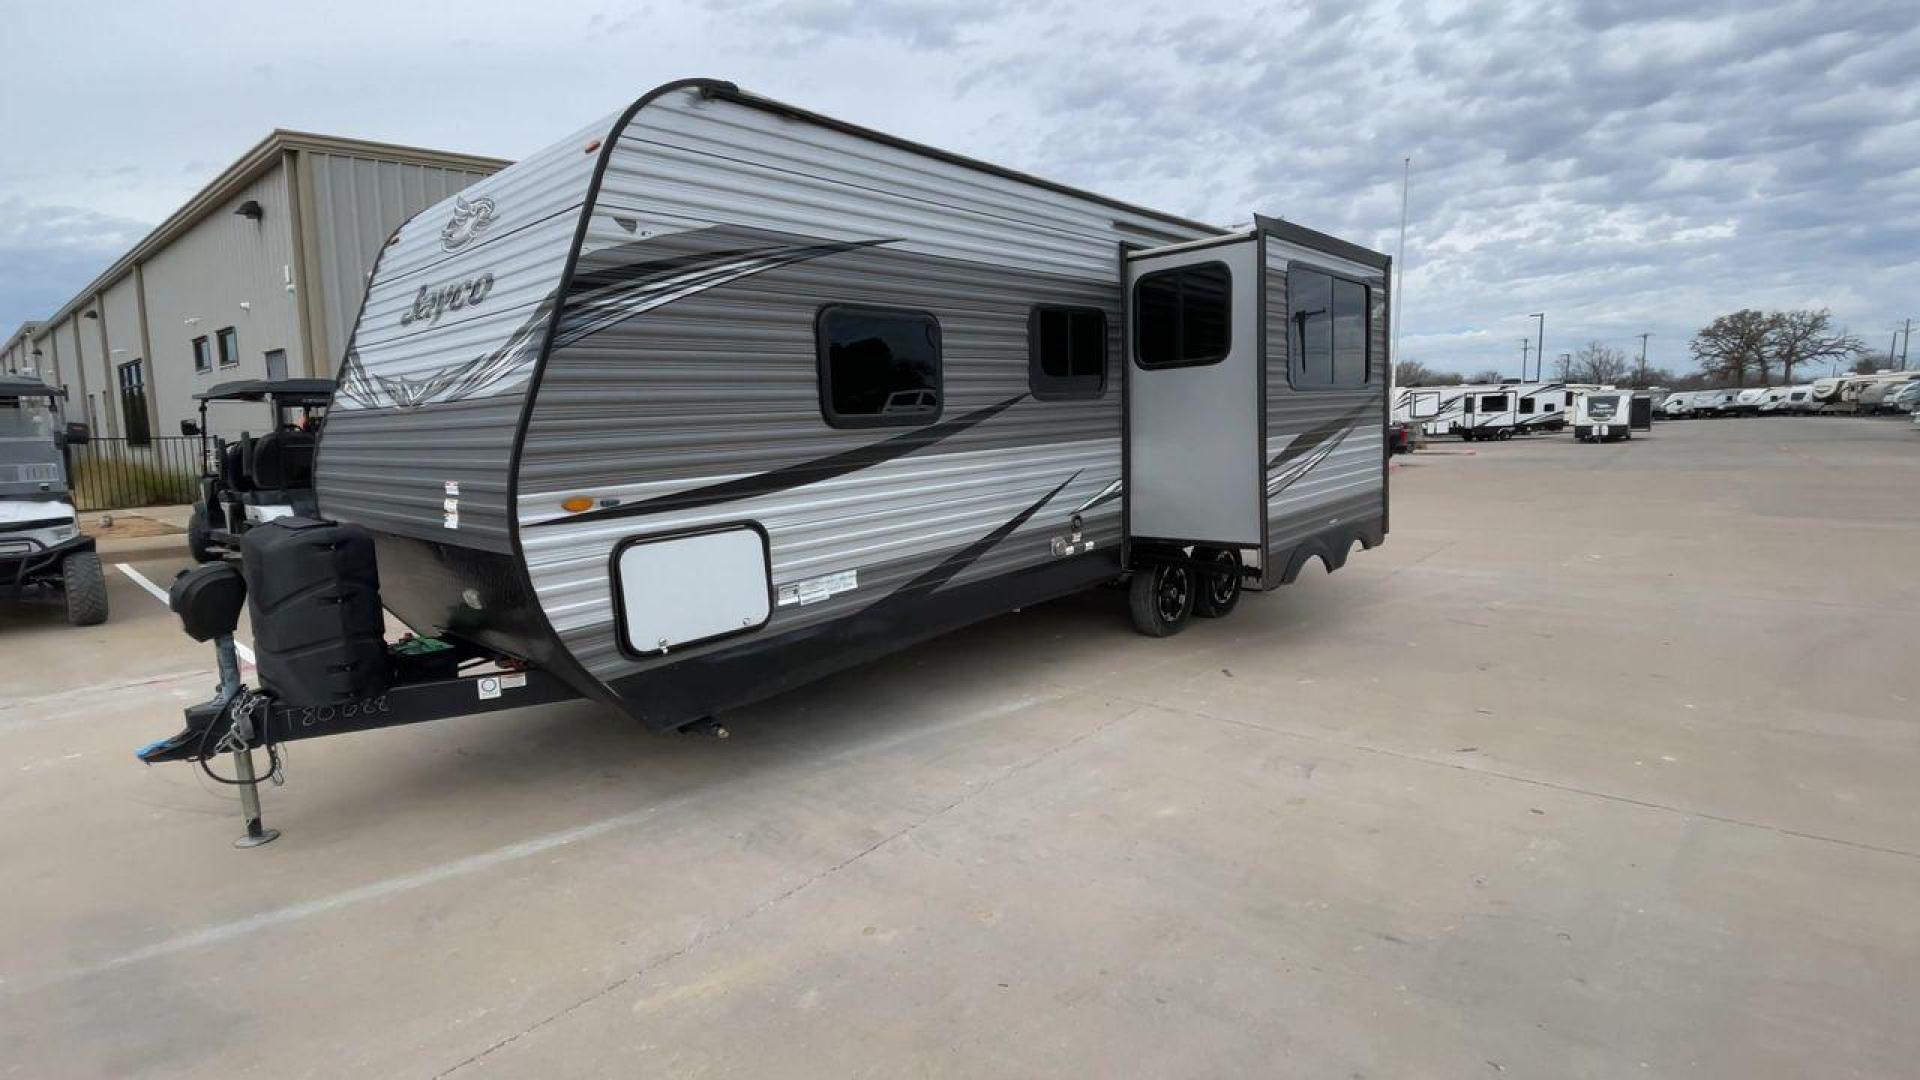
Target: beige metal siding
120 318
357 203
205 274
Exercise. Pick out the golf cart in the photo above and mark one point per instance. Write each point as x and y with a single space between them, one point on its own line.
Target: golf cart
255 478
40 541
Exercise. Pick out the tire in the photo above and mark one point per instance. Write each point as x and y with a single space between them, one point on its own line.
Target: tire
86 587
1160 598
198 538
1219 593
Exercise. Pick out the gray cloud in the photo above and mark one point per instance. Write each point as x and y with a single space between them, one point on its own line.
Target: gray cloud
1625 165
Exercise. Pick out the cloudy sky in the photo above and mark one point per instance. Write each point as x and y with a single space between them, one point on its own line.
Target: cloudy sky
1623 165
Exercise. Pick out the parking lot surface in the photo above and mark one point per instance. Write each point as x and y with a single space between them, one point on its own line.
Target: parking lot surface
1604 765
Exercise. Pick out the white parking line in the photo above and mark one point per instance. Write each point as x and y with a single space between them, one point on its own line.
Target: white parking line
160 594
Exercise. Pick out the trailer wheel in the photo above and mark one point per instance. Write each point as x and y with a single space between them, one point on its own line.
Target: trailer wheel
198 536
1160 599
86 587
1218 592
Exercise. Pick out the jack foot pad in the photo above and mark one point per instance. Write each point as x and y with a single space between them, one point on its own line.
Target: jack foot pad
256 837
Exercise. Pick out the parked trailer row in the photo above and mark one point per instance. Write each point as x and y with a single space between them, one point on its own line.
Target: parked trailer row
1877 393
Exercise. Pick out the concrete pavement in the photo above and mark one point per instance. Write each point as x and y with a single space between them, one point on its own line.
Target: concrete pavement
1602 766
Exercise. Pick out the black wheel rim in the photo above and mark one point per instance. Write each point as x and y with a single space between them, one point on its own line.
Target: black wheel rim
1170 593
1222 586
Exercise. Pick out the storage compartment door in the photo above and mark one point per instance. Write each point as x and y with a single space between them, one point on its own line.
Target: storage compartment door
1641 418
1193 437
682 589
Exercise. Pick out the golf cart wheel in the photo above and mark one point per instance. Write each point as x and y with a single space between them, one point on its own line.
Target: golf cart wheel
1160 599
198 538
1218 592
85 585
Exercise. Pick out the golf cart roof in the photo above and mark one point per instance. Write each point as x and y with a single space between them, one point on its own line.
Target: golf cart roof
285 391
19 386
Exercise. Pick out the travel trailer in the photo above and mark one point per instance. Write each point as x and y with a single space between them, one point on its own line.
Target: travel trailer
41 546
1906 399
1481 411
1875 394
1746 402
1716 402
1773 400
1826 392
1602 415
1799 401
718 396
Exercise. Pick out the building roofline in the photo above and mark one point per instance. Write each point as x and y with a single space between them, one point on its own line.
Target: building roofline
25 331
252 165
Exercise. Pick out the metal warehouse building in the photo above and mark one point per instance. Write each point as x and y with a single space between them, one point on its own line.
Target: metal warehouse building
258 276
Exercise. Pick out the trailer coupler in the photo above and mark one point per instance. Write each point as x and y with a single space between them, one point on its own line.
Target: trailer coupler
238 720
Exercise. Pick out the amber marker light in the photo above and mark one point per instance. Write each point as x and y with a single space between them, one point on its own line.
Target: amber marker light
579 504
592 146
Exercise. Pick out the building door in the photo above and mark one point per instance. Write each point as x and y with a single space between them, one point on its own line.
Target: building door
276 364
133 402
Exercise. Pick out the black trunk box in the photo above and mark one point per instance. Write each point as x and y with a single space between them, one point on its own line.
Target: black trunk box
313 593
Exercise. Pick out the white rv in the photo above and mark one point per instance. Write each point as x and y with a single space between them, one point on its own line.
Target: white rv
1602 415
718 396
1483 411
1875 394
1825 393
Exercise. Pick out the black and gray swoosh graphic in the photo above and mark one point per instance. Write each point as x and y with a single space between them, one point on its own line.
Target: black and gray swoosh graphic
796 475
951 566
1313 437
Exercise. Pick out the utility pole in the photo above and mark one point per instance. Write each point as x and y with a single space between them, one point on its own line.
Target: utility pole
1400 260
1566 367
1906 339
1642 375
1539 345
1524 346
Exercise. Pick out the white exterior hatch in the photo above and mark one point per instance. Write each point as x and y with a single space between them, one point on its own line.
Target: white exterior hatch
678 590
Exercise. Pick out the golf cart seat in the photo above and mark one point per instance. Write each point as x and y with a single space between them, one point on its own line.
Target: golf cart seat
233 465
283 459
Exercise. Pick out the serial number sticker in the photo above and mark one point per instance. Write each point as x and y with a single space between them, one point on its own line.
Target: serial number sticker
814 590
513 682
450 521
489 687
453 487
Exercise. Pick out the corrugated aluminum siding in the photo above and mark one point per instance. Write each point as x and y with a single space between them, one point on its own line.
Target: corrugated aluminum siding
1349 482
722 385
357 203
393 442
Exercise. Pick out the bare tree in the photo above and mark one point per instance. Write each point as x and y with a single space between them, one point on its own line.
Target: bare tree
1732 345
1599 363
1563 367
1867 364
1412 373
1806 336
1487 376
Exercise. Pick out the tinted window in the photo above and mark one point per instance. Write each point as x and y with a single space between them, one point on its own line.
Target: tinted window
1526 404
1182 316
1493 403
1327 330
202 355
229 347
1066 352
878 366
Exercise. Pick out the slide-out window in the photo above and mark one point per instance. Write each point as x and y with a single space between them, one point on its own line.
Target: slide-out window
1066 352
1182 316
1327 320
1493 403
878 366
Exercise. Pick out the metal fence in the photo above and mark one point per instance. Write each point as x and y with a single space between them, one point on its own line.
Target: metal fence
114 474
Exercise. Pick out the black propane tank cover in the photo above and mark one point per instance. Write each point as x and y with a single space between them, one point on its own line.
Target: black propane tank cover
314 597
208 599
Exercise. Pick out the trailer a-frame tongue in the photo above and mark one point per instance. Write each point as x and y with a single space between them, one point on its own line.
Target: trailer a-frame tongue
1256 404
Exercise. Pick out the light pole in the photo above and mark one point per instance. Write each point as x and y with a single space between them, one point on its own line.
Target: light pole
1642 374
1540 343
1524 346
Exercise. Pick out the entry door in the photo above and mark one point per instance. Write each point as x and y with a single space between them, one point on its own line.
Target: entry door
1193 395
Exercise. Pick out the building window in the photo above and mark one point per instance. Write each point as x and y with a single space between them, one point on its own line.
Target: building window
1327 317
1066 352
1182 316
133 402
276 363
202 355
229 347
878 367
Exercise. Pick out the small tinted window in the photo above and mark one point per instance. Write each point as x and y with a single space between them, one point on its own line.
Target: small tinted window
1066 352
202 355
878 366
1327 330
1493 403
229 347
1526 404
1182 316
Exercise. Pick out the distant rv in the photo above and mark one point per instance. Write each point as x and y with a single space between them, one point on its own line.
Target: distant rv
1484 411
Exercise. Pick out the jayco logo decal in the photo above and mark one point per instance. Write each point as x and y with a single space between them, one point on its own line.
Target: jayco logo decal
433 301
471 217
